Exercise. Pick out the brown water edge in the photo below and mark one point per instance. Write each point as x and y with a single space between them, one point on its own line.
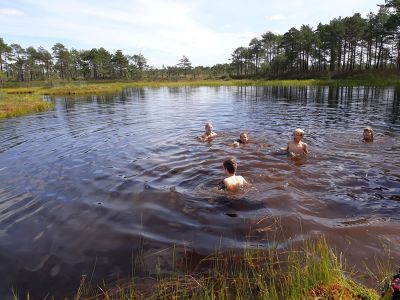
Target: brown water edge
382 240
168 267
364 250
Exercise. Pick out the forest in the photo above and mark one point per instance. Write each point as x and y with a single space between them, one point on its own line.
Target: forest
344 46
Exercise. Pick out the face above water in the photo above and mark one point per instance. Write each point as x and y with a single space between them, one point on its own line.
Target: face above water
367 135
297 136
244 138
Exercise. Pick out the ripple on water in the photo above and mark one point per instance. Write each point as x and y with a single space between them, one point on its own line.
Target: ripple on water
102 178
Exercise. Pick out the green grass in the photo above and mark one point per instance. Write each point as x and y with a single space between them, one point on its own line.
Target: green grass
15 105
308 271
12 104
22 90
81 88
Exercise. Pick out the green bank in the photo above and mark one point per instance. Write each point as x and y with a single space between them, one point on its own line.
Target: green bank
77 88
23 99
308 271
15 105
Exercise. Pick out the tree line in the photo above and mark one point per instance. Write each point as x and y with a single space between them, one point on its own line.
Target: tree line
19 64
344 45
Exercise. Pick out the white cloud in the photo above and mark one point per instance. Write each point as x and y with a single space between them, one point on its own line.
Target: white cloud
276 17
166 30
163 30
10 12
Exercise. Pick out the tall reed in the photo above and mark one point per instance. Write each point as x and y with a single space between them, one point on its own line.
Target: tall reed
309 270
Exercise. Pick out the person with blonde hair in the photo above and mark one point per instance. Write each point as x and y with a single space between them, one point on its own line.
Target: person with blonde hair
208 134
296 146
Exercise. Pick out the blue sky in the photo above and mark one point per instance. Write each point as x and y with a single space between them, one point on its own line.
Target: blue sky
205 31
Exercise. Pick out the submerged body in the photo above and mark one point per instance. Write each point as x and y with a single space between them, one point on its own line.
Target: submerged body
208 134
233 182
296 146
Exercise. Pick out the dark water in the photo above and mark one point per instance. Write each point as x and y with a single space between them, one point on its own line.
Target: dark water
87 187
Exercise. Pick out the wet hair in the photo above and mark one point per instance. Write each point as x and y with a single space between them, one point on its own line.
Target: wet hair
369 129
230 165
299 130
208 124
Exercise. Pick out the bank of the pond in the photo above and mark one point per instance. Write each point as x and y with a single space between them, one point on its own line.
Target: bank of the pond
81 88
15 105
311 271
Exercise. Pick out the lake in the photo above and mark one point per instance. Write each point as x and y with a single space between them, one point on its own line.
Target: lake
97 182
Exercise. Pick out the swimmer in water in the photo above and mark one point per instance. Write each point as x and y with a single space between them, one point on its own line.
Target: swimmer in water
208 134
233 182
368 135
243 139
296 146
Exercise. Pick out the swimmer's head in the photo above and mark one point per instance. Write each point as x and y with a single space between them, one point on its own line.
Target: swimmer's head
230 166
208 128
368 134
298 134
244 137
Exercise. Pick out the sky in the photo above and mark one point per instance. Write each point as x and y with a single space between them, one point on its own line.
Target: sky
205 31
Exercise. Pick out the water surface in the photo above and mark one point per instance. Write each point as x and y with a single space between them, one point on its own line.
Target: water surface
87 187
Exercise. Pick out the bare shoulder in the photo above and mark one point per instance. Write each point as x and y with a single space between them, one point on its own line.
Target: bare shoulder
228 185
242 180
305 147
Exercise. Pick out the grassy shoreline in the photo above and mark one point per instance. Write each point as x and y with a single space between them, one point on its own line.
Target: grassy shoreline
308 271
21 105
79 88
12 106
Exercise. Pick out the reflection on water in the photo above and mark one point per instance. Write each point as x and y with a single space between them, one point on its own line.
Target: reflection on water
88 186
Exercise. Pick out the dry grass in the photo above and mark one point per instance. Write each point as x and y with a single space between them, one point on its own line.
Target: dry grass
308 271
15 105
82 88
